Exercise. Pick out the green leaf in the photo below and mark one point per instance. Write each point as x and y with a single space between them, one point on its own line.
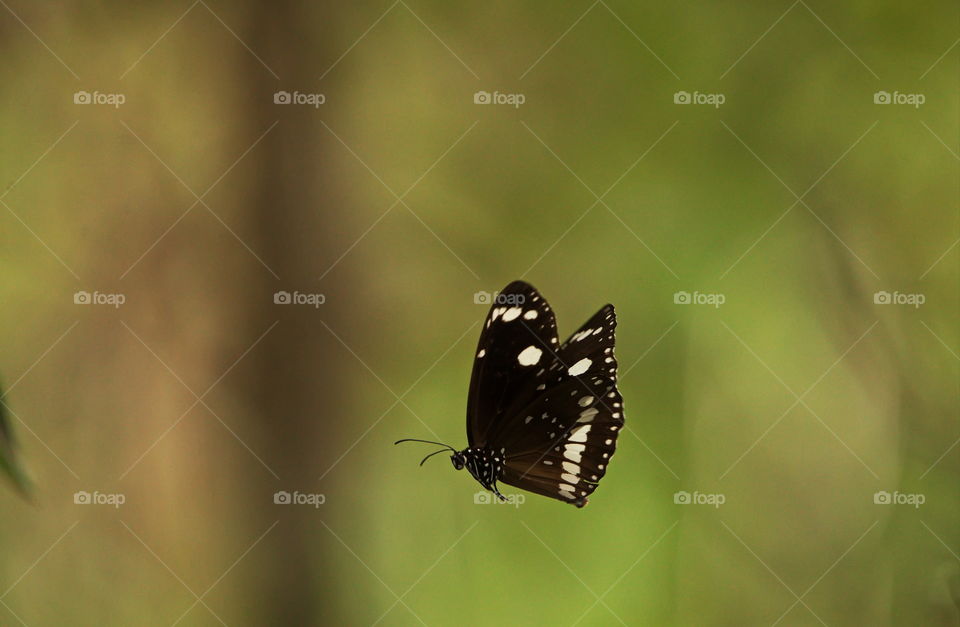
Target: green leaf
9 462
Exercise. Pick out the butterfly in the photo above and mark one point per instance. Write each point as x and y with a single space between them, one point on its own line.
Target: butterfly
541 416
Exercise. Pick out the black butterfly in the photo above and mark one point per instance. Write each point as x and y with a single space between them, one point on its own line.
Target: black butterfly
541 416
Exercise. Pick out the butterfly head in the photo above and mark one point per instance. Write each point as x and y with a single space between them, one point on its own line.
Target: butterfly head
459 460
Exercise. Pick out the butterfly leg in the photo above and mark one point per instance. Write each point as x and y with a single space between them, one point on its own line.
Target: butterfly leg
497 492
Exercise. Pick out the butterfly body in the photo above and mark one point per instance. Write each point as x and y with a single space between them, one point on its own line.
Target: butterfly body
541 415
484 464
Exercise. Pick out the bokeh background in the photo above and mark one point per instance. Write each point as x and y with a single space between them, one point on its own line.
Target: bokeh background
399 198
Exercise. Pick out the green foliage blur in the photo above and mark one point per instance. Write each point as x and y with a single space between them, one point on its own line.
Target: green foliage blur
754 186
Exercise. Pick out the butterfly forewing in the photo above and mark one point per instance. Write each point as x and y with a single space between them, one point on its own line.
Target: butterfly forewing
517 342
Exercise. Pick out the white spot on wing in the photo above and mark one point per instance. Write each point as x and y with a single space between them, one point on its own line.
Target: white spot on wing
529 356
580 367
579 434
530 315
511 314
588 414
586 400
482 352
573 452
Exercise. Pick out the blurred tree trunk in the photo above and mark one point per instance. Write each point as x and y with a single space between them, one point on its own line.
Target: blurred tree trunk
298 389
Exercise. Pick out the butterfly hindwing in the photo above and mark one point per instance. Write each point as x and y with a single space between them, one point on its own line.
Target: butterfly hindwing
517 341
570 439
590 349
559 444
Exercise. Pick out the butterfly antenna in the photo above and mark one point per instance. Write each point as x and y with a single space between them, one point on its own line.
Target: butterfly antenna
447 446
443 450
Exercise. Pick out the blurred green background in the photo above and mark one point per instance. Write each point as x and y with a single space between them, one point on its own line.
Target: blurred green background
798 400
